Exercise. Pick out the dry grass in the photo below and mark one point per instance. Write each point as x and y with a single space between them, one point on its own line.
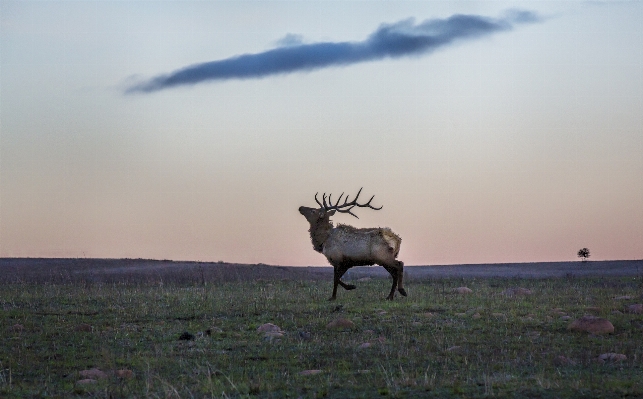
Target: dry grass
433 343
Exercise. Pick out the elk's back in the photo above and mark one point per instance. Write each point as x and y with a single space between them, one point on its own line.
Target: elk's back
360 244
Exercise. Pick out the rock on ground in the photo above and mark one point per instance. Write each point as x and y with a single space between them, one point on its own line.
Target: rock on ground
463 290
592 325
636 308
269 328
340 323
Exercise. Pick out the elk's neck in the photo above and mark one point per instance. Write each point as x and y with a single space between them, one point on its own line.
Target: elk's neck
319 234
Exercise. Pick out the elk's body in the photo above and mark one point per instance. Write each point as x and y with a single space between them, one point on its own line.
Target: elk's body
350 246
346 246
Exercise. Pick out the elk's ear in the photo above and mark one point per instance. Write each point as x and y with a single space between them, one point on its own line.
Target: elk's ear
331 213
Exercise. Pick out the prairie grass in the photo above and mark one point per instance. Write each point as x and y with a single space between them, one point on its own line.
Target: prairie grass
434 343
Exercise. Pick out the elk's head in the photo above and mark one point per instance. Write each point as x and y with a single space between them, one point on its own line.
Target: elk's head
316 216
321 215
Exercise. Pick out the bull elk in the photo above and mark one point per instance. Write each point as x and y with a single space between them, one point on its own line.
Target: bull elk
346 246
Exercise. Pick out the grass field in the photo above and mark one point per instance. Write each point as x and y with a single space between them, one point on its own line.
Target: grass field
434 343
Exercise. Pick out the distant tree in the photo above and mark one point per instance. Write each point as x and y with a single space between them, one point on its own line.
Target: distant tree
583 253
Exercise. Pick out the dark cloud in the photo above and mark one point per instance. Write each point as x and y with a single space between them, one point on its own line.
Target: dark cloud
403 38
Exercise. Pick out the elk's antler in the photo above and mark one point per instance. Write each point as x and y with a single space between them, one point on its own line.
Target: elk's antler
346 207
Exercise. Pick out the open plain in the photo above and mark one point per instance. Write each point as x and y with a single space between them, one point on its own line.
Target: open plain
34 270
141 328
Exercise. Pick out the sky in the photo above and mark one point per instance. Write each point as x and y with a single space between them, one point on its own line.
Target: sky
488 131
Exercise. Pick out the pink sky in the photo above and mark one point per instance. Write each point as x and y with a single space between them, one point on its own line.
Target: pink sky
521 146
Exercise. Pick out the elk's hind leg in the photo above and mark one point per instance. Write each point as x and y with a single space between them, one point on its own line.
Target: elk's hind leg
393 272
400 278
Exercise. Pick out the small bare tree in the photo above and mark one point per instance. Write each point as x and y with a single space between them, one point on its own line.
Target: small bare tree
583 253
346 246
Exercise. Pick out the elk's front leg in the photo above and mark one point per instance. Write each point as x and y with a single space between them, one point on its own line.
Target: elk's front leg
347 286
336 277
343 271
338 273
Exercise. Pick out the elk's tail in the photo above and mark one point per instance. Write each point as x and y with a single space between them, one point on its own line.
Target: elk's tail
393 240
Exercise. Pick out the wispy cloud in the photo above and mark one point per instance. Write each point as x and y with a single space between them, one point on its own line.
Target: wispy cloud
403 38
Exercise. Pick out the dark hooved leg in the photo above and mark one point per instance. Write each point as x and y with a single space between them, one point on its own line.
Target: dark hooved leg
393 272
336 276
343 284
400 280
347 286
338 273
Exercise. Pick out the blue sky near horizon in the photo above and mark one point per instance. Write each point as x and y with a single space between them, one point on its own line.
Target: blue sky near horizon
516 145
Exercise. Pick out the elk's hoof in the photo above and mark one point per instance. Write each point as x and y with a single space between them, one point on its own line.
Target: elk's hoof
332 298
389 298
402 291
350 287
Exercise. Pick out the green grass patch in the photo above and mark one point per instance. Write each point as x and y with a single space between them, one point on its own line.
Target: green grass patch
434 343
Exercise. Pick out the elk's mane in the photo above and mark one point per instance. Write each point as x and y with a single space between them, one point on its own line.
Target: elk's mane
319 234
